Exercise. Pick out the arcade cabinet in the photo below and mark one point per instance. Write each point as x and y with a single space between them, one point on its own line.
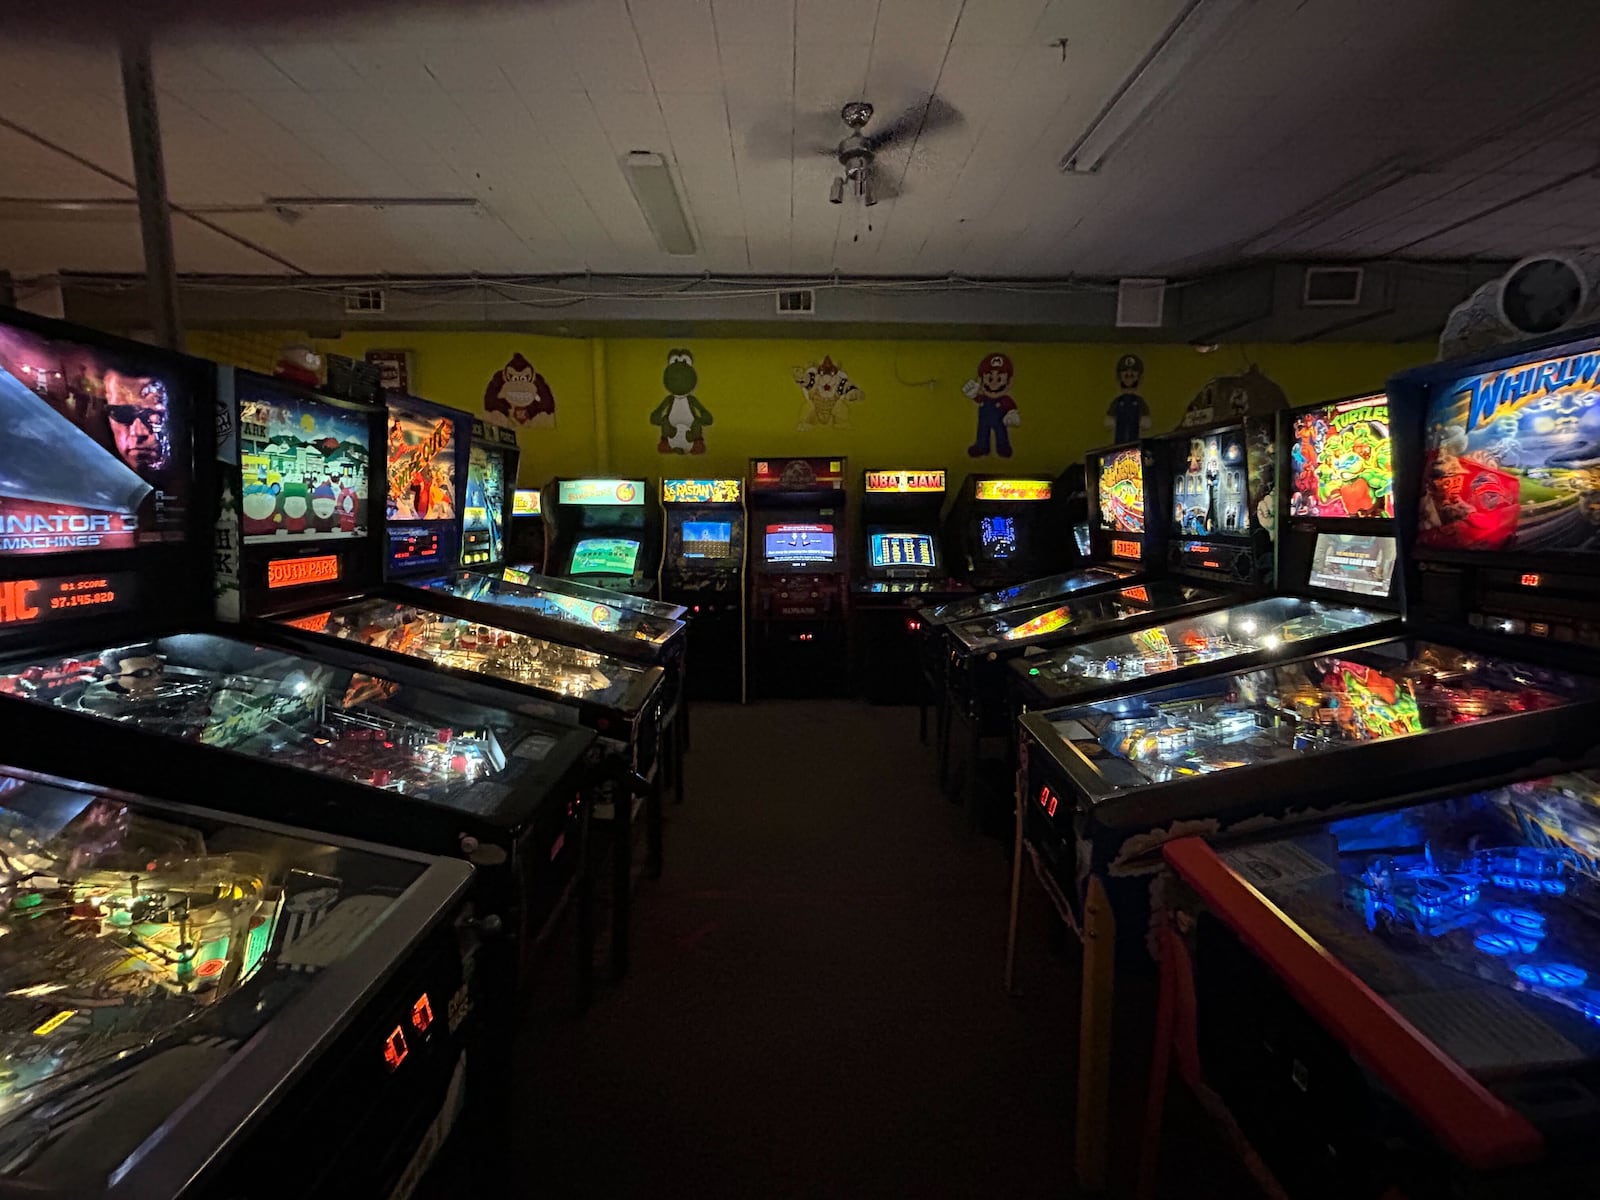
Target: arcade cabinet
603 532
799 589
525 539
901 566
486 518
703 569
1497 673
999 532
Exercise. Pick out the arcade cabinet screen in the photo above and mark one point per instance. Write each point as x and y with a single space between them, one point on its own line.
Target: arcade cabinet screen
1513 460
1209 490
525 502
426 449
1121 490
799 543
483 538
707 539
1339 461
902 550
1359 563
98 446
604 556
302 466
997 537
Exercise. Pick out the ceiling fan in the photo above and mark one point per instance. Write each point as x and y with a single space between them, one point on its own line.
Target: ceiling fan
858 150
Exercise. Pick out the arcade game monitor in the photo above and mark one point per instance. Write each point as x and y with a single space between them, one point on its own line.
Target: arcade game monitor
491 471
603 532
703 568
998 532
187 993
1438 961
1337 553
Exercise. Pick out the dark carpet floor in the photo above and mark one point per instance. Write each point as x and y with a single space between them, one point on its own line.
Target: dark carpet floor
815 1006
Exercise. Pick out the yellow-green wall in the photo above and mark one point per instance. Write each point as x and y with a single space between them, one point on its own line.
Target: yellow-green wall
913 412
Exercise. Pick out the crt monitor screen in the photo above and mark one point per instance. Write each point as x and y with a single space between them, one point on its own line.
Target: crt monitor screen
799 543
1120 490
98 446
302 463
604 556
1339 460
901 550
997 537
1361 564
1511 458
707 539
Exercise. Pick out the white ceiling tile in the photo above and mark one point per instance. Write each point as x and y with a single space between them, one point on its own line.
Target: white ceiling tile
612 66
314 67
839 23
753 21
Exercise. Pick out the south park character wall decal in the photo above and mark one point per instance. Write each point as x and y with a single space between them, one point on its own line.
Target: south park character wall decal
828 393
997 411
518 395
680 417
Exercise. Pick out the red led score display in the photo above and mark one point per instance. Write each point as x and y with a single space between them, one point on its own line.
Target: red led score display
395 1047
1048 801
1123 548
30 601
1531 580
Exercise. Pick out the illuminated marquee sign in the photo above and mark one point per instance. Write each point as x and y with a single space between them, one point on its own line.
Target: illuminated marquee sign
31 601
1013 489
601 491
1123 548
796 474
525 502
30 528
905 481
297 572
701 491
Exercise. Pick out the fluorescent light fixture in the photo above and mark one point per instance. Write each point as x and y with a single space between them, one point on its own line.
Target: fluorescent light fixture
657 196
1190 33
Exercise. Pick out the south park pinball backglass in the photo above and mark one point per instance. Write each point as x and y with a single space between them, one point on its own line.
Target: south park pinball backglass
1513 460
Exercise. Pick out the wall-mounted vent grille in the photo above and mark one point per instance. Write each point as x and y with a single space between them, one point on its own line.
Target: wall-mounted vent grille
798 303
1140 303
1332 287
363 300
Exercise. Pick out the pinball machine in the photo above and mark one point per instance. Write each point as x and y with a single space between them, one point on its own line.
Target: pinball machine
343 595
1497 672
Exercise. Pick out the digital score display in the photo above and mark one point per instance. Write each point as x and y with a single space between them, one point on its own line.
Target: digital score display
53 598
1048 800
701 491
1123 548
1012 489
905 481
297 572
414 546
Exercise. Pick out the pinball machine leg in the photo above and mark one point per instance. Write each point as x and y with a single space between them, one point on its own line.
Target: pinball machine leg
1094 1037
583 915
654 814
974 746
680 748
1016 894
942 735
621 879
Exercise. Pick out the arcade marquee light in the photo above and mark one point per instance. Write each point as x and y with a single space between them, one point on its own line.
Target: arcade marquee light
628 492
1012 489
297 572
905 481
702 491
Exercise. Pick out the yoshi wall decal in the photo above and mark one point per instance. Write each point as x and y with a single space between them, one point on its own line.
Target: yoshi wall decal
828 393
680 417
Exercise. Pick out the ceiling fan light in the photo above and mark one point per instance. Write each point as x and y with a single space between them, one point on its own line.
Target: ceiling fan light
836 191
868 196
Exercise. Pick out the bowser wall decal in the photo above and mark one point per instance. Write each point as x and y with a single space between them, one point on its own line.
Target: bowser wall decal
829 394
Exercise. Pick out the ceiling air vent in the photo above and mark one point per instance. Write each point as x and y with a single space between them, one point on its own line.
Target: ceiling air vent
1332 287
798 303
1140 303
363 300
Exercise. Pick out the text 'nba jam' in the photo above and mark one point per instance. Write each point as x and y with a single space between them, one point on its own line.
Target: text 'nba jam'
1491 394
36 532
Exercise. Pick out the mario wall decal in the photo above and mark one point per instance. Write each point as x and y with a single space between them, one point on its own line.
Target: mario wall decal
518 395
681 417
997 411
828 395
1128 416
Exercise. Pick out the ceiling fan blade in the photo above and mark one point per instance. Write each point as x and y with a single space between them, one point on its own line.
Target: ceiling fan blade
927 116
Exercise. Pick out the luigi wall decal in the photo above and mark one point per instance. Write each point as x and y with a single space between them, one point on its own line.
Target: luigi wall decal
997 411
1128 416
518 395
681 417
828 392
